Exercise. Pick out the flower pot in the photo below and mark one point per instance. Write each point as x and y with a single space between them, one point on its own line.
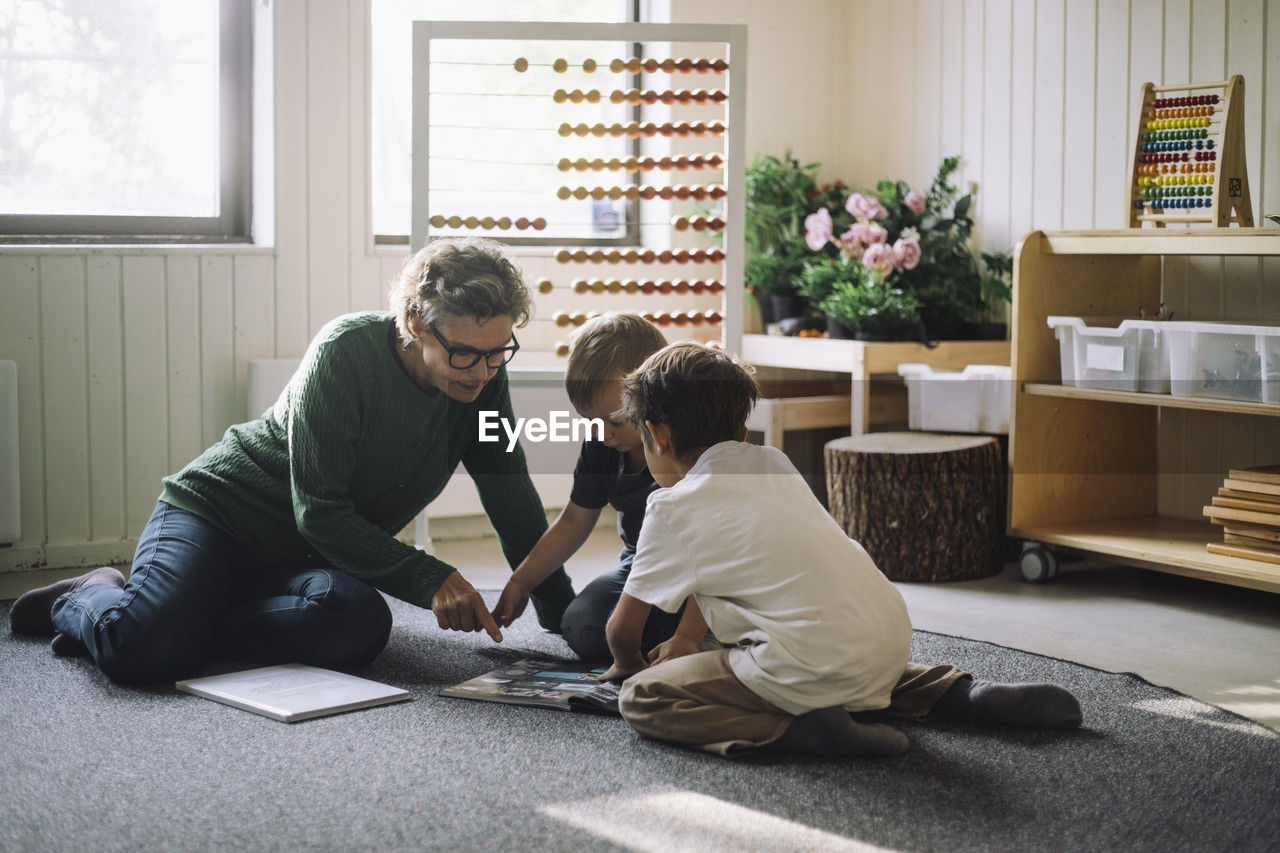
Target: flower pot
990 331
837 330
766 307
786 305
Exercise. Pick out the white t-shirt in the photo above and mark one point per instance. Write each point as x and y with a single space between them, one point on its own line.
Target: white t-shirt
813 621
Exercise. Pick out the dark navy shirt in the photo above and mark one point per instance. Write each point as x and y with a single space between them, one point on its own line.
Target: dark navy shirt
600 477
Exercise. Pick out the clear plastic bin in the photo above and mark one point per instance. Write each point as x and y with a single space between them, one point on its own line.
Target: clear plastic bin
1114 353
976 399
1225 360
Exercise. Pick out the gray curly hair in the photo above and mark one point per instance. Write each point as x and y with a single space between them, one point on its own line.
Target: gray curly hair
459 277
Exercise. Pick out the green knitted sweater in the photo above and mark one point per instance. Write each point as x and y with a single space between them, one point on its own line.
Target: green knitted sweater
349 454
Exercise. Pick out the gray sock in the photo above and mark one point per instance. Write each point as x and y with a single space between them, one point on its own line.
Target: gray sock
30 613
1039 706
832 732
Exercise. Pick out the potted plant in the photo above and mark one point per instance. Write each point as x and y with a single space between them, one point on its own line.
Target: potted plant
779 192
917 242
870 308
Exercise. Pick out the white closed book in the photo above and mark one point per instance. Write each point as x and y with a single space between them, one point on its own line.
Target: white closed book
293 691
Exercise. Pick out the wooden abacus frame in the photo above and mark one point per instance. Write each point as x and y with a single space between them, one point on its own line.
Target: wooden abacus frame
733 36
1229 200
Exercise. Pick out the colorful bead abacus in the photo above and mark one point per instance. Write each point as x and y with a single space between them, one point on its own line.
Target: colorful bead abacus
1188 162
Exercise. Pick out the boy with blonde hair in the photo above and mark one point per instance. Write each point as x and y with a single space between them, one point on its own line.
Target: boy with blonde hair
813 631
611 471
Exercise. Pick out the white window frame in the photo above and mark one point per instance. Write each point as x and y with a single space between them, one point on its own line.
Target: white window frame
233 224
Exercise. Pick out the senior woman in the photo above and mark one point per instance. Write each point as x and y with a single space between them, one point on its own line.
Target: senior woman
272 544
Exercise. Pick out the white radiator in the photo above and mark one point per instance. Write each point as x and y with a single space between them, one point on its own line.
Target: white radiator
10 494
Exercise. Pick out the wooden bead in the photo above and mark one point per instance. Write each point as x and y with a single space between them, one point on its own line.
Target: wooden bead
561 318
563 255
560 66
562 349
580 285
521 65
545 285
588 65
539 224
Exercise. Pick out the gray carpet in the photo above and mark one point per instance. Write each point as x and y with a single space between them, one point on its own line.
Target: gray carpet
90 765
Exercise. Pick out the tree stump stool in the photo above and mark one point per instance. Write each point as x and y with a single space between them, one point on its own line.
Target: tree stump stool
927 507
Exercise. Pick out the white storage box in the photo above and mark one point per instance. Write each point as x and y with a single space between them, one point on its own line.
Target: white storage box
976 399
1228 360
1114 353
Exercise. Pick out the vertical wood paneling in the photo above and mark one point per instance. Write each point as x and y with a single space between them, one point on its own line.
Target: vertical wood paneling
146 404
1177 42
364 291
1268 170
972 157
62 336
218 376
1050 71
951 113
1022 120
993 196
130 363
928 95
255 302
1079 102
292 311
106 399
1245 56
328 165
20 342
183 342
1114 111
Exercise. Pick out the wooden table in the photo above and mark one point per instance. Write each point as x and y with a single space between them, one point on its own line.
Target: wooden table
864 360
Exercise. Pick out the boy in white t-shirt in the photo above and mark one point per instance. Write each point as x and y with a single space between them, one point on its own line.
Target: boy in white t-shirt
813 630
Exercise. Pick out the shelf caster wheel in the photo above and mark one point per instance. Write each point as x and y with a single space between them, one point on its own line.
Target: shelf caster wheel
1037 564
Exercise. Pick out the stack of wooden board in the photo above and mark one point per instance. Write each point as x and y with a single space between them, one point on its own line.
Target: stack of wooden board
1248 508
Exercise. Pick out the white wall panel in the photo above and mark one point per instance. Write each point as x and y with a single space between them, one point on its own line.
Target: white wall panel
64 376
218 377
182 358
106 399
131 361
146 393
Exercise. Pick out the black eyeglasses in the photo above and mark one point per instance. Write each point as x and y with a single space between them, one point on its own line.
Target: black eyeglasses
465 358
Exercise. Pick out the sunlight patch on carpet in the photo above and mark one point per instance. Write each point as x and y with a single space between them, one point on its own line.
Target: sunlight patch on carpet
684 820
1192 711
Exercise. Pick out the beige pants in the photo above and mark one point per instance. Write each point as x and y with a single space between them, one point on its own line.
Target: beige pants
697 701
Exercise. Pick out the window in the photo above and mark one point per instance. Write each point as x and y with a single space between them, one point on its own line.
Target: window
125 120
467 178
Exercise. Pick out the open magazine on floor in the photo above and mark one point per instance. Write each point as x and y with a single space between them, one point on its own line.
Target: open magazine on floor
543 683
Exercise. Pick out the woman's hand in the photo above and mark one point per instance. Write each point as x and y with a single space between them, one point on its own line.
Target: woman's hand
511 603
458 607
676 647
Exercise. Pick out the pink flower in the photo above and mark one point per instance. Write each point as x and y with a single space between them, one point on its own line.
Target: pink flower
878 257
864 207
915 202
906 253
868 233
850 244
817 229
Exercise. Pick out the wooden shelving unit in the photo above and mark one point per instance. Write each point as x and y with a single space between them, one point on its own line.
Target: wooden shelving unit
863 360
1083 461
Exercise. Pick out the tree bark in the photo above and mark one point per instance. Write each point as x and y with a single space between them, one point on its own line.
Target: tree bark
927 507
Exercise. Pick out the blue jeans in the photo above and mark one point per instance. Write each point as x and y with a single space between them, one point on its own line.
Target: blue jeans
586 616
195 592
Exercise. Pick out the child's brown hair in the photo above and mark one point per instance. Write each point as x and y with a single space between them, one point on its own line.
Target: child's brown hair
605 349
700 392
